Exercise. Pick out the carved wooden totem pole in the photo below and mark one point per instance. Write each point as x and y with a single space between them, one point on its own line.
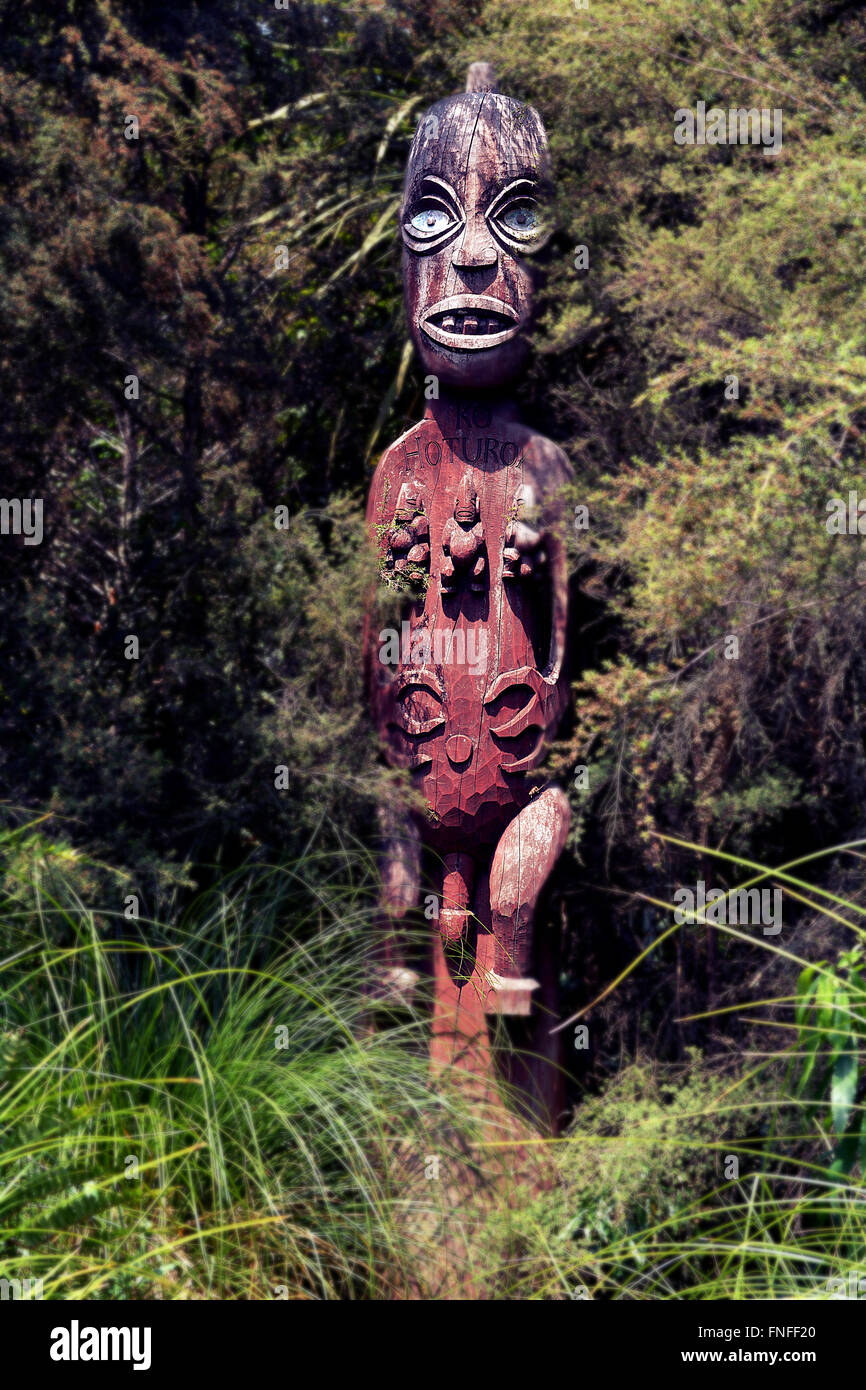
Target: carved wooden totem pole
466 509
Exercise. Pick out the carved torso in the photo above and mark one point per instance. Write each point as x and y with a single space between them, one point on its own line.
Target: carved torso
478 685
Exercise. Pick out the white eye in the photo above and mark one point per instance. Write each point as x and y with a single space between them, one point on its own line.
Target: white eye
520 219
429 221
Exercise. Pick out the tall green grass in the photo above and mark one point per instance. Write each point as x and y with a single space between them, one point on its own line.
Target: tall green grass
194 1107
650 1205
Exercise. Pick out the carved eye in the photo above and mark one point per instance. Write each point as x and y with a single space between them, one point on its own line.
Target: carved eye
421 714
516 218
429 221
520 219
433 216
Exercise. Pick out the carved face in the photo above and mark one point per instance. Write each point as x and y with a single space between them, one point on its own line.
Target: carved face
471 216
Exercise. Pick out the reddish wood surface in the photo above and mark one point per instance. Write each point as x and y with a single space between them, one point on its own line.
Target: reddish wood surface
466 509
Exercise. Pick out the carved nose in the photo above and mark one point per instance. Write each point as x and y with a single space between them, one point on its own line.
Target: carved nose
475 252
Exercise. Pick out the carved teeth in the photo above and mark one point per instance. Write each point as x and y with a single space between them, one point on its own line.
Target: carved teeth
465 322
470 324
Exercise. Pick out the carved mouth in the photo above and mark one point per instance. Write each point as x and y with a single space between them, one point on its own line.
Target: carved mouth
470 322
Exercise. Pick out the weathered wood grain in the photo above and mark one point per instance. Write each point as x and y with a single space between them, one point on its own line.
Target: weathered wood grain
466 509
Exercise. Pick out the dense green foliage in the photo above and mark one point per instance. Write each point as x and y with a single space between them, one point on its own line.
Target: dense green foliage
156 257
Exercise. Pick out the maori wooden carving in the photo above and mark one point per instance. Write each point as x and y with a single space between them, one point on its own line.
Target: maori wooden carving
467 514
